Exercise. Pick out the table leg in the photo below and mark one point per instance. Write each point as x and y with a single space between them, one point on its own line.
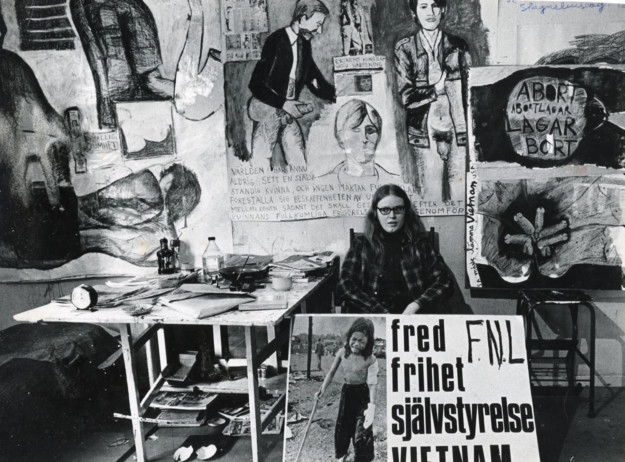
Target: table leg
591 353
273 359
133 392
252 383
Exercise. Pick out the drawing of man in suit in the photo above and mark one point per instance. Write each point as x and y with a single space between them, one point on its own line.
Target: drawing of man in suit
285 67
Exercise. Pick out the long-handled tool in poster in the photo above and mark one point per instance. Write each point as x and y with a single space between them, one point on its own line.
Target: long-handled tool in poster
312 415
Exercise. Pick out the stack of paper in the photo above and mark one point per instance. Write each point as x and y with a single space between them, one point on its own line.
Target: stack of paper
267 301
202 302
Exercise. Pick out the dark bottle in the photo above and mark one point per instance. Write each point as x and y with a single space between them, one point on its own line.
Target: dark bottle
165 258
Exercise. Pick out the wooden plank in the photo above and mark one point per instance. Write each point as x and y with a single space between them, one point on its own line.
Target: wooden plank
133 391
274 410
252 379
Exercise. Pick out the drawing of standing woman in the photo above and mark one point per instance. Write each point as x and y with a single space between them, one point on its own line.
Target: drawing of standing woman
432 71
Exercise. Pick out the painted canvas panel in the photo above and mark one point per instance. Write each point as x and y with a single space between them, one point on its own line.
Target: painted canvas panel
560 32
102 153
548 116
334 102
545 188
562 232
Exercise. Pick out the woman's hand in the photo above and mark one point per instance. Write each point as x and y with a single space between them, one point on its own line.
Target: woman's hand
319 394
369 415
412 308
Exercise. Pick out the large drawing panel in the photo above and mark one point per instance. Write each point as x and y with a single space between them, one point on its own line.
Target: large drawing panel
560 32
336 73
96 164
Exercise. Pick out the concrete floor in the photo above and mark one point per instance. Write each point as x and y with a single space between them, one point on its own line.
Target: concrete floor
565 434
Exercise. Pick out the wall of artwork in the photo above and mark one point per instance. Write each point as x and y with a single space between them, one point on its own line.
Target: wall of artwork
112 143
109 143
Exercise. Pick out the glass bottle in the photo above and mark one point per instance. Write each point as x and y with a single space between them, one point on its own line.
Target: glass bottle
175 247
212 259
165 258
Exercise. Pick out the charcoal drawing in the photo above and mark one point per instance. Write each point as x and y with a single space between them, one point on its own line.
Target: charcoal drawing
44 25
435 43
58 199
590 49
558 233
122 45
285 67
358 130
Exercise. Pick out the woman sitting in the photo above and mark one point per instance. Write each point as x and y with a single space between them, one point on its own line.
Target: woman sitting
392 267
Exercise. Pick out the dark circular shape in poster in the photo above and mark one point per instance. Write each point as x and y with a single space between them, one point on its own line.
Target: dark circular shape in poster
545 120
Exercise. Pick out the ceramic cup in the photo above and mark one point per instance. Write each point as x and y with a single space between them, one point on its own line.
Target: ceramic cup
282 283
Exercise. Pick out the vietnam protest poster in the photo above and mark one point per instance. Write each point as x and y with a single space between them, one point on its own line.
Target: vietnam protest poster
409 389
458 390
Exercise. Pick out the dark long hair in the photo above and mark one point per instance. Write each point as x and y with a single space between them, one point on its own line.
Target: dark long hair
373 229
412 4
364 326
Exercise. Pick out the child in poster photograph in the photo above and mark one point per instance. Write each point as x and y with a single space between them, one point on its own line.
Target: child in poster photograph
352 413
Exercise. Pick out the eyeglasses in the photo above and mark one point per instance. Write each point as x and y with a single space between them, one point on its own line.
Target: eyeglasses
399 210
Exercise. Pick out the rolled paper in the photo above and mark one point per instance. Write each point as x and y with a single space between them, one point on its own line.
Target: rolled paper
528 248
545 252
524 223
547 241
517 239
540 219
550 230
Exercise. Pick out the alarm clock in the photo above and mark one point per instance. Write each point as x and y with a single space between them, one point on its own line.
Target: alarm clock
84 297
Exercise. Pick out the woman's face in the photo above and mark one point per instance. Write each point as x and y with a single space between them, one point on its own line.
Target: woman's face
394 220
358 342
429 14
360 142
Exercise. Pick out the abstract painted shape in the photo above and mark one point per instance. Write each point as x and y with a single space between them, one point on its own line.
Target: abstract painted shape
590 49
545 118
147 129
577 221
198 89
38 208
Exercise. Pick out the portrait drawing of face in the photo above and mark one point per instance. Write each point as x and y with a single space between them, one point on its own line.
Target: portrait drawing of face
429 14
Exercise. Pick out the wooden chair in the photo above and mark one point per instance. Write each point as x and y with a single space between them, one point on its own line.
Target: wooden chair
432 234
527 303
456 303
